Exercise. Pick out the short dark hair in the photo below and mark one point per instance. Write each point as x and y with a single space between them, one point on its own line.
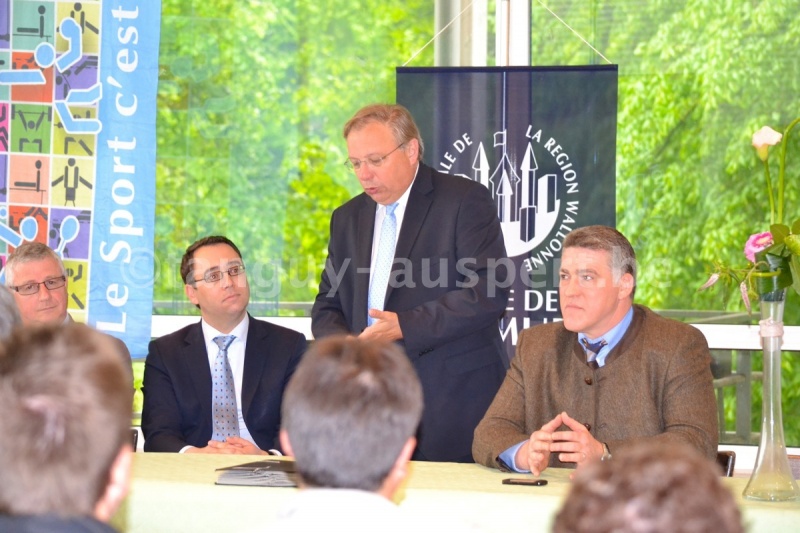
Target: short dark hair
66 399
348 410
188 256
607 239
647 488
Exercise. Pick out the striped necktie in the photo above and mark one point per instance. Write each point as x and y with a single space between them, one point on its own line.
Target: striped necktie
592 349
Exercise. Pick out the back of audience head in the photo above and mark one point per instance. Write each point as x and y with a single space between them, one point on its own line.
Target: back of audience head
350 413
65 429
9 314
652 487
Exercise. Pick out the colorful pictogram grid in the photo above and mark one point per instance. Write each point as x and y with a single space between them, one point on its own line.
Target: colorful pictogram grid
49 90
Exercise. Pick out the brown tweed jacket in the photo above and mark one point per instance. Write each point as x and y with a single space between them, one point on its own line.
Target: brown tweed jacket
656 384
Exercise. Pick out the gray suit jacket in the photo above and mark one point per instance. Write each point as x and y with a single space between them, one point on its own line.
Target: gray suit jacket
656 384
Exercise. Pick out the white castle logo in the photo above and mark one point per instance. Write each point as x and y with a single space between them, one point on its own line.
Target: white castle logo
528 204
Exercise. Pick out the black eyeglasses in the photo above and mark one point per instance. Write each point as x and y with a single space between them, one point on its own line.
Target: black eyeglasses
214 276
355 164
33 287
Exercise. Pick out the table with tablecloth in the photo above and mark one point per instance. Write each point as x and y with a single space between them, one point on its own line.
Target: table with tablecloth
176 492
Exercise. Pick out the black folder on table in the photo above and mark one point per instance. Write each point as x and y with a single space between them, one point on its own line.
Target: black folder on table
269 473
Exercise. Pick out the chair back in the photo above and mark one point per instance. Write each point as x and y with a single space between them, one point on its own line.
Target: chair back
794 463
726 460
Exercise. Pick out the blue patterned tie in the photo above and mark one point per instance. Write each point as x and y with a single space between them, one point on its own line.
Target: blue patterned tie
383 262
225 413
592 349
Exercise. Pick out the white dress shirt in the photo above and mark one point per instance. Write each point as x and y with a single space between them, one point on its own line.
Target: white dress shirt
236 359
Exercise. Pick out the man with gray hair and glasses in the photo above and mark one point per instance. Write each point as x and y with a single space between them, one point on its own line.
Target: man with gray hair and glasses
38 280
36 277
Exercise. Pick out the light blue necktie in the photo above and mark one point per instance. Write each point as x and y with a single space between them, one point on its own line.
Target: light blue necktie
383 261
225 413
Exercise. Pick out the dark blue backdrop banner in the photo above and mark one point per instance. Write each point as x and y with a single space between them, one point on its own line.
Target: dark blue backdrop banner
543 140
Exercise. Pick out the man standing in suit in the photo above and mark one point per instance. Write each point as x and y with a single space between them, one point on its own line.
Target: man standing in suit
216 386
608 376
413 260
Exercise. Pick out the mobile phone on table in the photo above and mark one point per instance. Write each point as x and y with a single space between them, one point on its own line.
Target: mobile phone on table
525 481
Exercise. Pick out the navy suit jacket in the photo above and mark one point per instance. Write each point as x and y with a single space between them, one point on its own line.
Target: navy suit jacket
442 289
177 386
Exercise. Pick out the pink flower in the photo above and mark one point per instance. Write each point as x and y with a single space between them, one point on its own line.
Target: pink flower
711 281
763 139
757 243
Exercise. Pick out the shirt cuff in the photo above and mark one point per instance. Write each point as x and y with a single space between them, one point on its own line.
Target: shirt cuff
508 457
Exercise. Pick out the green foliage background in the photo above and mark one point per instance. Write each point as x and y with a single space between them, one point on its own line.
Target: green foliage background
253 95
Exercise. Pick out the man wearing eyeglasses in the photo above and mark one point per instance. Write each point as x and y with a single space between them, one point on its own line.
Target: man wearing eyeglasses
412 260
36 277
38 280
216 386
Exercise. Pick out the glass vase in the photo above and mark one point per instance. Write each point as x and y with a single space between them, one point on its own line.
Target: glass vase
772 478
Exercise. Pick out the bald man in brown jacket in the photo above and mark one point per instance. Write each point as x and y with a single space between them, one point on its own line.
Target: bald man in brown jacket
611 374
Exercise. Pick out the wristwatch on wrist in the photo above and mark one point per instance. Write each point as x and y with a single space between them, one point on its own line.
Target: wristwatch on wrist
606 454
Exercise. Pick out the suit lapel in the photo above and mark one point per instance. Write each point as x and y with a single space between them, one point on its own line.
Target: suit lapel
419 203
362 261
253 362
197 367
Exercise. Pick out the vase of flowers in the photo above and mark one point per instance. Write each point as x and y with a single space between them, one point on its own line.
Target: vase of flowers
774 266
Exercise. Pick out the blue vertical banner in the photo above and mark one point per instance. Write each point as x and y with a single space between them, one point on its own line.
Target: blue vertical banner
122 259
543 141
78 84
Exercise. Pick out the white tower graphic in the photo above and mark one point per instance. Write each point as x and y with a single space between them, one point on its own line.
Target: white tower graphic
527 205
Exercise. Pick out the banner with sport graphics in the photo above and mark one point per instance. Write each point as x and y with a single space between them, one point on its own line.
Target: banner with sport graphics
543 141
78 85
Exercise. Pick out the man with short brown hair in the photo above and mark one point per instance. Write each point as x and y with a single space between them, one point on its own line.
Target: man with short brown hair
65 449
349 417
216 386
654 487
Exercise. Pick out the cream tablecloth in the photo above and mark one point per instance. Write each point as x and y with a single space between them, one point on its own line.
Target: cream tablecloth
175 493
